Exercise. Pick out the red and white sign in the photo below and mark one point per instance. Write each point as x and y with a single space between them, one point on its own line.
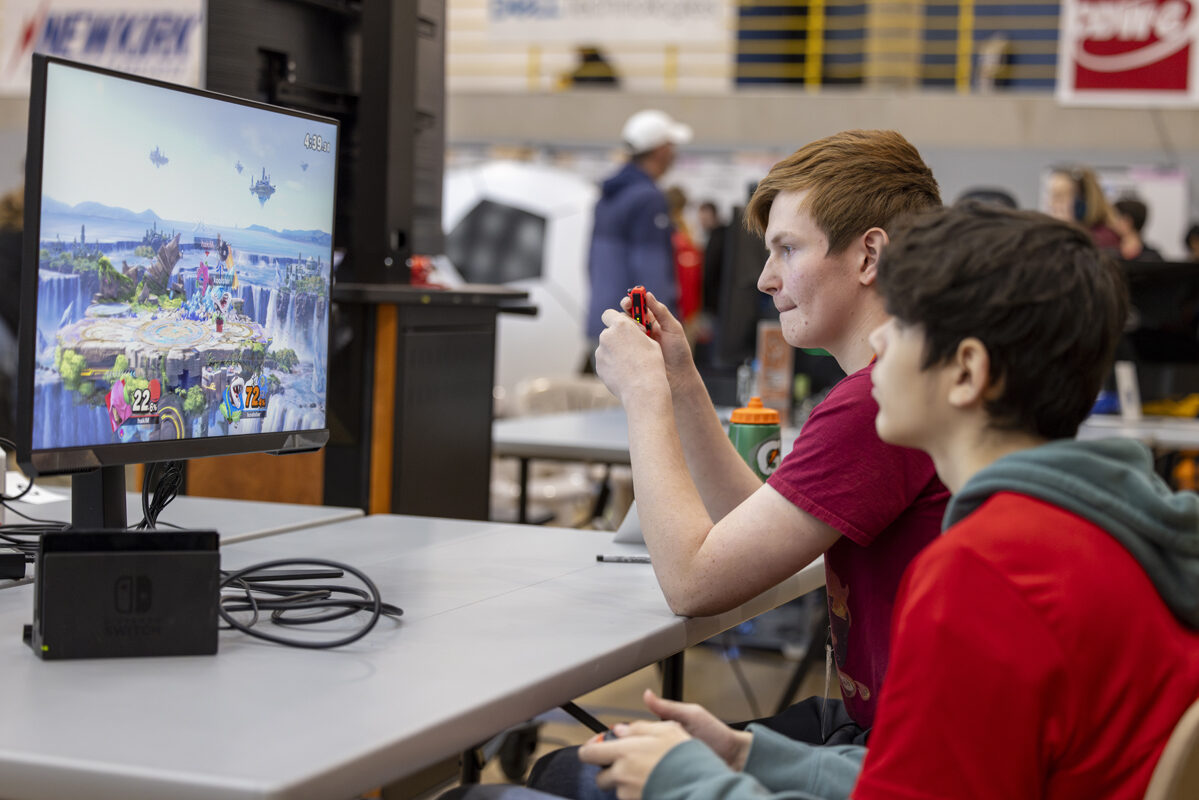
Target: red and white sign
1129 52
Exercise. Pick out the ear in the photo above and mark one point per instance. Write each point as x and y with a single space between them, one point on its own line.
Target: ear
970 375
873 242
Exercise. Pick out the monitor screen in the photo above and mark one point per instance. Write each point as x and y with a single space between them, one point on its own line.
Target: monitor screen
1162 334
741 305
177 258
1164 327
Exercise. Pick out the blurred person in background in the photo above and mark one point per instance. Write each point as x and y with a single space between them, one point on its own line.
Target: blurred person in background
987 194
688 262
11 222
1192 242
1076 196
716 234
1128 219
709 220
631 237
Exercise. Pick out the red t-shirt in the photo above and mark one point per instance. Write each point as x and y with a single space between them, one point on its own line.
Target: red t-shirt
887 503
1032 658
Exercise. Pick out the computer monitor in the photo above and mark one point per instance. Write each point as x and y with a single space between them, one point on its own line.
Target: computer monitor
176 269
1162 336
741 304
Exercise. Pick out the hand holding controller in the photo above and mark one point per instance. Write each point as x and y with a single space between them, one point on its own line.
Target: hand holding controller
638 309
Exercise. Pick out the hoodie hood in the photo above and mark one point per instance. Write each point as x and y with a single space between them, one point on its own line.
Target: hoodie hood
1111 483
628 176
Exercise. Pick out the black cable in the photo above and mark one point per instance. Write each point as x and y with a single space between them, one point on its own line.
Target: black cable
301 604
56 524
160 485
249 598
26 538
289 604
10 446
35 530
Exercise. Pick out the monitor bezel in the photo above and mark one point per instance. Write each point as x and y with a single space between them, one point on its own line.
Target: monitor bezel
66 460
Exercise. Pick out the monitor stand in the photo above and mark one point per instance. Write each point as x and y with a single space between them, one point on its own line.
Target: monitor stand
98 499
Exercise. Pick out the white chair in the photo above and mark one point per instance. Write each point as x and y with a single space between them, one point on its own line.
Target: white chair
559 493
550 395
1176 776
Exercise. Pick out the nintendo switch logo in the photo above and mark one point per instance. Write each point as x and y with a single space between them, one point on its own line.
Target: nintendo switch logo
132 594
1132 44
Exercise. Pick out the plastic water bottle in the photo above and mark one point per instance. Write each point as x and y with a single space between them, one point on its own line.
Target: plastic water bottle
746 382
754 431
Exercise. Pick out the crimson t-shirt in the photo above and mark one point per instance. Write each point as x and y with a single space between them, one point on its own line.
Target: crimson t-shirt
1033 658
886 501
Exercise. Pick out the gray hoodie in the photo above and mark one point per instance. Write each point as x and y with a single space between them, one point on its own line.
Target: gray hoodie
1109 482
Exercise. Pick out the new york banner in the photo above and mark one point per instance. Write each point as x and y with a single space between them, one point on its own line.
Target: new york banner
162 39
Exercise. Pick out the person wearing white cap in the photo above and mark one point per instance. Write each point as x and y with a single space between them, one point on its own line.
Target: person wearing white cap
630 239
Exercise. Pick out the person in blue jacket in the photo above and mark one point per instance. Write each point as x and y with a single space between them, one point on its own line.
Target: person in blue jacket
630 239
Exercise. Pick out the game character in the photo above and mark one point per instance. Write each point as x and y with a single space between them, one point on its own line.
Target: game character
119 409
237 393
233 404
202 279
221 310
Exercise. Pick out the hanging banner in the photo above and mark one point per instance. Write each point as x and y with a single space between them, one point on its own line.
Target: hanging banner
600 22
1128 53
161 39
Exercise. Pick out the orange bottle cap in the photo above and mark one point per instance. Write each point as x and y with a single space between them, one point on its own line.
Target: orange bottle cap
755 414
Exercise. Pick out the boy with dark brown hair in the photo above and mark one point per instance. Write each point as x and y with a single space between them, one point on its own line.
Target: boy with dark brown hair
1046 644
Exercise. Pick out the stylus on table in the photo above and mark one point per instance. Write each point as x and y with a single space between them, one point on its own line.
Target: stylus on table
622 559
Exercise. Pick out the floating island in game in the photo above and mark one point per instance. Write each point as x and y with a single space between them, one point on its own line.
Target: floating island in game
262 188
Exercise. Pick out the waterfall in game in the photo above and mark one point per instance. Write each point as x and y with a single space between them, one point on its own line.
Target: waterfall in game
78 423
61 299
320 345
